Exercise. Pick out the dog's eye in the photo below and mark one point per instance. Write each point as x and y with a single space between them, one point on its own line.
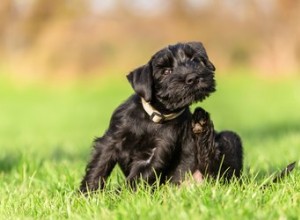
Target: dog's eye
195 59
198 61
202 63
167 71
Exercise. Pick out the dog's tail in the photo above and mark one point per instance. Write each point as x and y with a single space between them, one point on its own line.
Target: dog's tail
286 171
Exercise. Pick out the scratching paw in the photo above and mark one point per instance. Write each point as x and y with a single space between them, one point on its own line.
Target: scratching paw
200 119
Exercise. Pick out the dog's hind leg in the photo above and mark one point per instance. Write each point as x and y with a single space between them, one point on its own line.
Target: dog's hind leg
207 154
231 152
101 165
217 153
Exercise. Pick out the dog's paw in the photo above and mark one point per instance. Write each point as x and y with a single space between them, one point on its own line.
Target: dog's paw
200 119
192 179
198 176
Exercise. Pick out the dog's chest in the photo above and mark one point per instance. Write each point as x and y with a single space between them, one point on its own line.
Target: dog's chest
151 135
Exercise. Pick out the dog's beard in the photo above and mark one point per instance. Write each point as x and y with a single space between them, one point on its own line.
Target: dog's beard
176 95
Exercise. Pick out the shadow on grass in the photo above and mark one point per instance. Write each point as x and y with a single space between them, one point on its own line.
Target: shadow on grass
9 162
60 154
275 130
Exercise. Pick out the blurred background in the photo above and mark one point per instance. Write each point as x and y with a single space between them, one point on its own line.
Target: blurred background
62 74
71 39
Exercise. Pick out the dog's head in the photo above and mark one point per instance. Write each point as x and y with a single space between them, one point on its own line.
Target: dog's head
175 76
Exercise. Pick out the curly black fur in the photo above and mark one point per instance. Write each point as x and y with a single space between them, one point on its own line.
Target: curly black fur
174 78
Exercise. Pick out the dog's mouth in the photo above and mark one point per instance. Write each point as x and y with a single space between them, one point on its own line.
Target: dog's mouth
201 85
200 91
177 97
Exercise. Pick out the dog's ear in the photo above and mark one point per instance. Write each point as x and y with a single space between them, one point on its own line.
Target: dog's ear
198 47
141 81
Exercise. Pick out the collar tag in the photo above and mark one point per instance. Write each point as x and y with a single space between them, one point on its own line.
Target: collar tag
157 117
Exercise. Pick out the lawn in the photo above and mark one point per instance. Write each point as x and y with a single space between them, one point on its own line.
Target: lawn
46 133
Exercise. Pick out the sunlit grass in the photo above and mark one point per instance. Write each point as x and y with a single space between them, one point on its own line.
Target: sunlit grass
46 133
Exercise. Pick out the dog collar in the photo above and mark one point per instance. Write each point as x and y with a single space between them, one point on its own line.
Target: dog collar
156 116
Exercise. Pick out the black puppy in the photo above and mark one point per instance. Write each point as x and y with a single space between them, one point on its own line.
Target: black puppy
218 154
150 134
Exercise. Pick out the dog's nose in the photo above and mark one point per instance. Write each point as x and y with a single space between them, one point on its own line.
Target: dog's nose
191 78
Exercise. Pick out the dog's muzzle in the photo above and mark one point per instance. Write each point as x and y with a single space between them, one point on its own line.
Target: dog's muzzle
156 116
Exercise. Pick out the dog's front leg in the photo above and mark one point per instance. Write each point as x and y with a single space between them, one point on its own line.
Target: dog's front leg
150 169
102 163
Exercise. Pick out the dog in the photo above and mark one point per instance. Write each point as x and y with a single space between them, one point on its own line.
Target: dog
150 135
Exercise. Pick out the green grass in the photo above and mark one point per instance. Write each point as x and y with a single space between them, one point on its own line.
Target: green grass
46 134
